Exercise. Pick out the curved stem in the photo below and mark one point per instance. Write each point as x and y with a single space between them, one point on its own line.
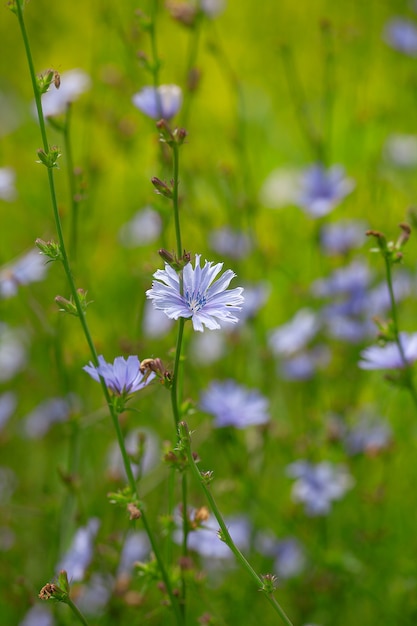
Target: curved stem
74 608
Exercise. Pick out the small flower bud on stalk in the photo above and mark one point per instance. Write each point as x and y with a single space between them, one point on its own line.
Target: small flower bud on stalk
49 158
50 249
171 259
162 188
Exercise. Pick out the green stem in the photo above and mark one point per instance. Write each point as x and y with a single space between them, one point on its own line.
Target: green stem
229 541
83 321
174 388
76 611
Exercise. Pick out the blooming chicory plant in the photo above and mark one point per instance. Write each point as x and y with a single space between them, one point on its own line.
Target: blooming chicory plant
321 189
122 378
389 356
234 405
161 102
197 295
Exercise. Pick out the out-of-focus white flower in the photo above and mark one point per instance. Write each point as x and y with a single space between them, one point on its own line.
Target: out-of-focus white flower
280 188
12 352
212 8
401 150
7 184
73 84
155 322
208 348
29 268
80 553
144 227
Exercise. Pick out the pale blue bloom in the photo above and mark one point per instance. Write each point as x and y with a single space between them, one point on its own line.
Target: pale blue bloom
389 356
235 244
144 227
53 411
141 444
7 184
321 189
288 553
135 548
234 405
303 365
29 268
368 436
79 555
161 103
401 34
342 236
8 402
13 353
73 84
318 484
155 323
198 295
295 334
38 615
94 595
256 296
123 377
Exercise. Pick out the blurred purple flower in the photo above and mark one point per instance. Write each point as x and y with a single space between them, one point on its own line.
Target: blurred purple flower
295 334
288 553
144 227
234 405
78 557
123 377
7 184
354 278
378 299
162 102
53 411
389 356
12 352
135 548
198 296
29 268
401 150
401 34
368 437
229 242
142 446
342 236
317 485
8 403
94 596
73 84
255 297
321 189
303 365
38 615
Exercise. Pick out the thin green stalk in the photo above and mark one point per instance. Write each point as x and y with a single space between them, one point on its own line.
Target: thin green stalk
394 314
76 611
82 318
229 541
174 388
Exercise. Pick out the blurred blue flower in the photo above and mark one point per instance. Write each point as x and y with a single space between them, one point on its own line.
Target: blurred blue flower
13 353
162 102
55 410
321 189
7 184
226 241
197 296
353 279
123 377
369 436
94 596
288 553
135 548
144 227
295 334
234 405
72 84
318 484
143 448
342 236
256 296
78 557
29 268
303 365
8 402
389 356
38 615
401 34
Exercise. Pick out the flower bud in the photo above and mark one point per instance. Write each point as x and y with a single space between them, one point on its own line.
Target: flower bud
49 249
162 188
49 158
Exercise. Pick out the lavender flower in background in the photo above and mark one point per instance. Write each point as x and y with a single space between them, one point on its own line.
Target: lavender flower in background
72 85
295 334
123 377
135 548
8 403
162 102
95 595
38 615
234 405
29 268
303 366
205 540
199 297
53 411
80 553
378 299
322 190
7 184
369 436
208 348
144 227
353 280
317 485
401 150
388 356
255 297
288 553
342 236
142 446
401 34
229 242
13 355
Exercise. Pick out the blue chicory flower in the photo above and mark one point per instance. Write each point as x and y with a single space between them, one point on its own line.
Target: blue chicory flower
401 34
233 243
369 436
318 484
321 189
78 557
162 102
388 357
234 405
342 236
29 268
295 334
123 377
198 295
72 84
